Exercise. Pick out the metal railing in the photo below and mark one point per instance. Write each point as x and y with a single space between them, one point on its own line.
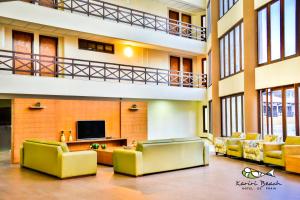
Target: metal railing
120 14
60 67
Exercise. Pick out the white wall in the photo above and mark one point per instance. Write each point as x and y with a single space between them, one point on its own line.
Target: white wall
174 119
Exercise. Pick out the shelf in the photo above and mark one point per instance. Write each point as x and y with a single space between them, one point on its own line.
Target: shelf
36 107
133 109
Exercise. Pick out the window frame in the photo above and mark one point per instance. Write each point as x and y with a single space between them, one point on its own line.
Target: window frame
241 51
96 43
236 113
283 89
224 13
204 111
210 117
282 25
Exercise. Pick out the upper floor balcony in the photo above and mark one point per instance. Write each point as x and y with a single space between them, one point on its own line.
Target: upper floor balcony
106 19
34 74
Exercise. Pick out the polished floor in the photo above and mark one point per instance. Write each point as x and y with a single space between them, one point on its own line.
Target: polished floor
216 181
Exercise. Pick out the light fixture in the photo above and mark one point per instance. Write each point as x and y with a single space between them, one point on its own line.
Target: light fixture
128 52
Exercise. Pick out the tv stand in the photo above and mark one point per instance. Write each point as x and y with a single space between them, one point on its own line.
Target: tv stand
80 145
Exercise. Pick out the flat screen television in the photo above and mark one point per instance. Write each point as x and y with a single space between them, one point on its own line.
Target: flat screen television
90 129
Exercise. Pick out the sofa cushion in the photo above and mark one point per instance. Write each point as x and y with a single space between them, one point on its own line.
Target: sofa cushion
270 138
251 151
252 136
234 147
292 140
236 134
274 154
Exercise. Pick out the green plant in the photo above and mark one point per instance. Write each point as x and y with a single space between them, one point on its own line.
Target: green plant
94 146
103 146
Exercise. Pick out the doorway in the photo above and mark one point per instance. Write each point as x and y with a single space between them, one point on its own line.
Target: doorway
48 54
5 128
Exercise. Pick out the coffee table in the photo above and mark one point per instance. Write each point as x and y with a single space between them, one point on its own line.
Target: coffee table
292 163
105 156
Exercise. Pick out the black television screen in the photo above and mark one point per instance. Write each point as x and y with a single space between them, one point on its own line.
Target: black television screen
90 129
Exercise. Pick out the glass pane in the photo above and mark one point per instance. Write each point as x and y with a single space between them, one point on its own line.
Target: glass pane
221 8
262 36
231 49
242 39
222 58
264 113
239 111
269 112
277 113
237 49
230 3
233 114
226 54
224 117
205 119
275 30
225 6
289 27
228 117
290 112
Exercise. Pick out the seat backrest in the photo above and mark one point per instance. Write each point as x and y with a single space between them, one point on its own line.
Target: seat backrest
270 138
252 136
236 135
292 140
63 145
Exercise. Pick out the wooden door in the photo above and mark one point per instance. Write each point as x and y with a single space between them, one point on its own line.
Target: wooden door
173 22
47 3
187 72
23 43
48 52
174 71
186 25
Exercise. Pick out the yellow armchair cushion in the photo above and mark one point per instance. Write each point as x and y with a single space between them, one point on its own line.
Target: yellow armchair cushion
234 147
274 154
292 140
270 138
252 136
236 134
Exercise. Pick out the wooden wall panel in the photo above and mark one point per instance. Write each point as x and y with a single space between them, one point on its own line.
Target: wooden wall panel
134 123
59 115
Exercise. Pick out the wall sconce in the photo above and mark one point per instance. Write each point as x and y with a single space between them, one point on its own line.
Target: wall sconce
134 107
128 52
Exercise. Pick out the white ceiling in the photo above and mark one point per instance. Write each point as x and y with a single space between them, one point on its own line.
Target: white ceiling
183 5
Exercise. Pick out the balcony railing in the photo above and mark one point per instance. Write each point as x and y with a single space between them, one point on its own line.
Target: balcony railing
40 65
120 14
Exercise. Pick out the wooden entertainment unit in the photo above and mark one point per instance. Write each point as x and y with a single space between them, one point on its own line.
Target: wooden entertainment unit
79 145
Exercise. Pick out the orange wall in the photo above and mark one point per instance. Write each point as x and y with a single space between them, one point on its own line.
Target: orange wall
61 114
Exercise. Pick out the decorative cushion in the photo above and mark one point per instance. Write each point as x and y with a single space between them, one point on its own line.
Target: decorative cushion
270 138
274 154
251 151
236 134
252 136
234 147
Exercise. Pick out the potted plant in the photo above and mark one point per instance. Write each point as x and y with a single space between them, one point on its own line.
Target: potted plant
94 146
103 146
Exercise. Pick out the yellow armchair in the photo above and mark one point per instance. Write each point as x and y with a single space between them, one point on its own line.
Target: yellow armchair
235 146
221 142
276 153
253 149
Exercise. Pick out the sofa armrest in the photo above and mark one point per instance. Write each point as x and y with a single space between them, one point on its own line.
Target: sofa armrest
21 156
128 162
291 149
78 163
272 147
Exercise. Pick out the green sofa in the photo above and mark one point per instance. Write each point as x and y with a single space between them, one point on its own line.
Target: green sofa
55 159
161 155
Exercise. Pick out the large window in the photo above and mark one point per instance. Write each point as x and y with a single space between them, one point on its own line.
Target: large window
225 6
231 51
279 113
208 24
232 110
209 65
210 117
277 27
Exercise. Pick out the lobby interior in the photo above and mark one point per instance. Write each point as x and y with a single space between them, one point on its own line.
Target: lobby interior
184 99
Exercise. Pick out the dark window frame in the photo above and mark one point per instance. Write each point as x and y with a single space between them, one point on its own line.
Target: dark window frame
80 46
282 42
203 20
239 24
236 113
224 13
209 69
284 124
210 116
204 110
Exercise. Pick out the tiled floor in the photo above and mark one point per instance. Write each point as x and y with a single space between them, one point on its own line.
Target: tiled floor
216 181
